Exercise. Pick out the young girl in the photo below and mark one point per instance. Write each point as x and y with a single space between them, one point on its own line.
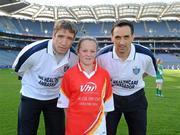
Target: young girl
86 93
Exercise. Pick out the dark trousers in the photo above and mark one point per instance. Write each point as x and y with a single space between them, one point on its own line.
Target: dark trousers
134 108
29 115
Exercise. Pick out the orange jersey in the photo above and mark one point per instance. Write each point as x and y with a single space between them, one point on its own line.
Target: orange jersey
86 97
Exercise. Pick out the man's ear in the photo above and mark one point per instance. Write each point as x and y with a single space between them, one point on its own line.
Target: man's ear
132 37
111 37
53 34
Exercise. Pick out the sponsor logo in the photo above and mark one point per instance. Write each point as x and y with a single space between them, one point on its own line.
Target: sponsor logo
128 84
47 81
88 87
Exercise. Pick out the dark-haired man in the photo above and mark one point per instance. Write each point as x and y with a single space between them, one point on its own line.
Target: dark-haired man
127 64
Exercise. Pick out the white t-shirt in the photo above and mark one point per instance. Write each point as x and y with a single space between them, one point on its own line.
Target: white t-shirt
41 73
127 76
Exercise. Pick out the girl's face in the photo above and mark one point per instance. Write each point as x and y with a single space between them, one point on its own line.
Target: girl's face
87 52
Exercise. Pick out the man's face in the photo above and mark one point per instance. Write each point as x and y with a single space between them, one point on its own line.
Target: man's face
122 39
62 41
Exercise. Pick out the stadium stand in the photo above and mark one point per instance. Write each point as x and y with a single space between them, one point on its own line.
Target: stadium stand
170 60
161 36
7 58
100 29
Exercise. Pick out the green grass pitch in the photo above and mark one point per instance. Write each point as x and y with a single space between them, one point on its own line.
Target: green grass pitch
163 112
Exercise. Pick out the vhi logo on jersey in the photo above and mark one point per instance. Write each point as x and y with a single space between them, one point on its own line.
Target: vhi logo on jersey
88 87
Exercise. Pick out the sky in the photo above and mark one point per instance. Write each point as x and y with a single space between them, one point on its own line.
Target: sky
94 2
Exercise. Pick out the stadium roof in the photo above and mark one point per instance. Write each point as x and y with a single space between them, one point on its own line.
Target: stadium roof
102 12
